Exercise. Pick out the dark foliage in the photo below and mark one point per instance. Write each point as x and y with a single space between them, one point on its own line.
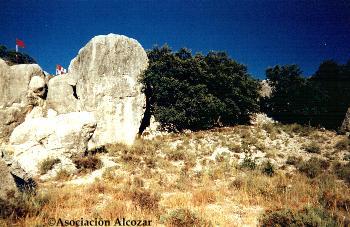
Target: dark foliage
11 57
321 100
310 216
198 92
294 98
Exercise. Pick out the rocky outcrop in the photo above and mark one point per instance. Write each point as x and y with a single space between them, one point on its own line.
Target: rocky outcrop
57 137
15 81
265 89
105 74
345 127
100 101
8 189
21 87
61 96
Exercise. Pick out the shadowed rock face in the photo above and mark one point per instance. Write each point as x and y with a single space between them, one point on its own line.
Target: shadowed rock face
106 73
8 187
345 127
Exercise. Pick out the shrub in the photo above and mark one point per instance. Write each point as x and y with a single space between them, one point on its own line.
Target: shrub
331 200
312 148
313 167
62 175
237 183
293 160
342 144
310 216
248 163
268 169
185 218
145 199
89 162
203 197
48 164
176 154
343 171
22 206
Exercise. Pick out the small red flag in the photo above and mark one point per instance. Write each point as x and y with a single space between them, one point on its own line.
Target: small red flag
20 43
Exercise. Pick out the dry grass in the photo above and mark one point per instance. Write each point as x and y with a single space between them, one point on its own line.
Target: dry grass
177 183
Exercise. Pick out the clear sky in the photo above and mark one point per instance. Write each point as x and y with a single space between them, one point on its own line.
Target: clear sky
257 33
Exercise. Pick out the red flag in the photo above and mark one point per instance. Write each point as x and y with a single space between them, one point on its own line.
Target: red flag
60 70
20 43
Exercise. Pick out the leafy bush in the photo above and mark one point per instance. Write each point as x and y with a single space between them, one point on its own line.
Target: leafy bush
268 169
312 148
343 171
248 163
89 162
293 160
198 92
310 216
25 205
342 144
11 57
145 199
313 167
184 217
48 164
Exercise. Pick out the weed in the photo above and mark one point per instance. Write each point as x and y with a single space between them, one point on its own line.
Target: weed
203 197
310 216
24 205
62 175
268 169
294 160
343 171
185 218
48 164
312 148
176 155
342 144
89 162
248 163
313 167
145 199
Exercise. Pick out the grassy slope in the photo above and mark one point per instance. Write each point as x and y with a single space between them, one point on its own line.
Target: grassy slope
202 177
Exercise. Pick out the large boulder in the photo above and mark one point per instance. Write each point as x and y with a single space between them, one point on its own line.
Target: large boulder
58 137
8 189
15 81
265 89
21 88
61 95
345 127
103 79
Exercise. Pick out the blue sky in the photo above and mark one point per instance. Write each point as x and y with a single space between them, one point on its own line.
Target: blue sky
257 33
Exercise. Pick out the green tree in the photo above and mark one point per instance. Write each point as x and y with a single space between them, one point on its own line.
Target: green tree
334 80
294 97
198 92
12 57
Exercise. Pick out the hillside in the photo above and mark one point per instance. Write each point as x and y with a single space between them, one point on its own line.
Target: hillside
222 177
109 143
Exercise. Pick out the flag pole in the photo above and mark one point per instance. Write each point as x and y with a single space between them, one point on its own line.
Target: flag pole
16 48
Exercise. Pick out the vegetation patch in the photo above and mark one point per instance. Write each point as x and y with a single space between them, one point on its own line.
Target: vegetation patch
48 164
312 148
313 167
89 163
184 217
310 216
